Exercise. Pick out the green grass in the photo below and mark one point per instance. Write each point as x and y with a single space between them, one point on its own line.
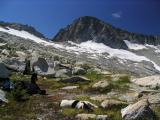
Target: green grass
30 109
94 76
114 113
122 84
156 110
38 104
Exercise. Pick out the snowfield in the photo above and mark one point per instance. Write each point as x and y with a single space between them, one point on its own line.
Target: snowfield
90 47
27 35
134 46
99 48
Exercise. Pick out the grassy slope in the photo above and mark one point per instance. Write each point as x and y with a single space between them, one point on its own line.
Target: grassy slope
48 106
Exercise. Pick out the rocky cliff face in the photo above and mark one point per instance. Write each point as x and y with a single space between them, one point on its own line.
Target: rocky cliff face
21 27
90 28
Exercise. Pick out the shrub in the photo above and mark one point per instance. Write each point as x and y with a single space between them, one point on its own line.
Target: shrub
18 94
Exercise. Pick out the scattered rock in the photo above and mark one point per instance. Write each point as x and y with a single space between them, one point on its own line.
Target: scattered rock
139 110
150 81
2 97
86 105
75 80
4 72
101 84
153 98
69 87
102 117
2 45
112 103
15 64
5 52
21 55
141 89
78 71
99 98
63 73
84 116
130 96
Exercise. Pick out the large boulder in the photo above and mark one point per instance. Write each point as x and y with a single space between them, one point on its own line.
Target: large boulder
153 98
42 67
138 111
4 72
15 64
112 103
150 81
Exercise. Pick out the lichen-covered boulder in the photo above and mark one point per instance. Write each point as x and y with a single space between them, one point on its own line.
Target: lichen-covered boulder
138 111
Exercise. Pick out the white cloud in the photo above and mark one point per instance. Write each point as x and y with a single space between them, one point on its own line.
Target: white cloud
117 14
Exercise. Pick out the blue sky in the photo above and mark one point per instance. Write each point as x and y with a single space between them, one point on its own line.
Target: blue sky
48 16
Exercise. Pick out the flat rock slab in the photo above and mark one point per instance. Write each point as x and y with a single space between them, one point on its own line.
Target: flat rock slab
151 81
85 116
153 98
101 84
110 103
130 97
99 98
69 87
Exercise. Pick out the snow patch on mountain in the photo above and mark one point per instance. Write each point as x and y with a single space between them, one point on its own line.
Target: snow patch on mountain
22 34
134 46
27 35
99 48
90 47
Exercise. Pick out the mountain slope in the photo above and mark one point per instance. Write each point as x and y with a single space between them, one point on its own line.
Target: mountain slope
137 59
21 27
90 28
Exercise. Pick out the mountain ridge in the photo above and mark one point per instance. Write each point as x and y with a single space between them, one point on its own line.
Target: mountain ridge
20 27
90 28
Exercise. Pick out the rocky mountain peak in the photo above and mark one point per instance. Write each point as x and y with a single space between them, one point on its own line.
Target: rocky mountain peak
90 28
21 27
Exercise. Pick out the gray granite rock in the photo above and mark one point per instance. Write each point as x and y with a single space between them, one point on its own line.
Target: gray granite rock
139 110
